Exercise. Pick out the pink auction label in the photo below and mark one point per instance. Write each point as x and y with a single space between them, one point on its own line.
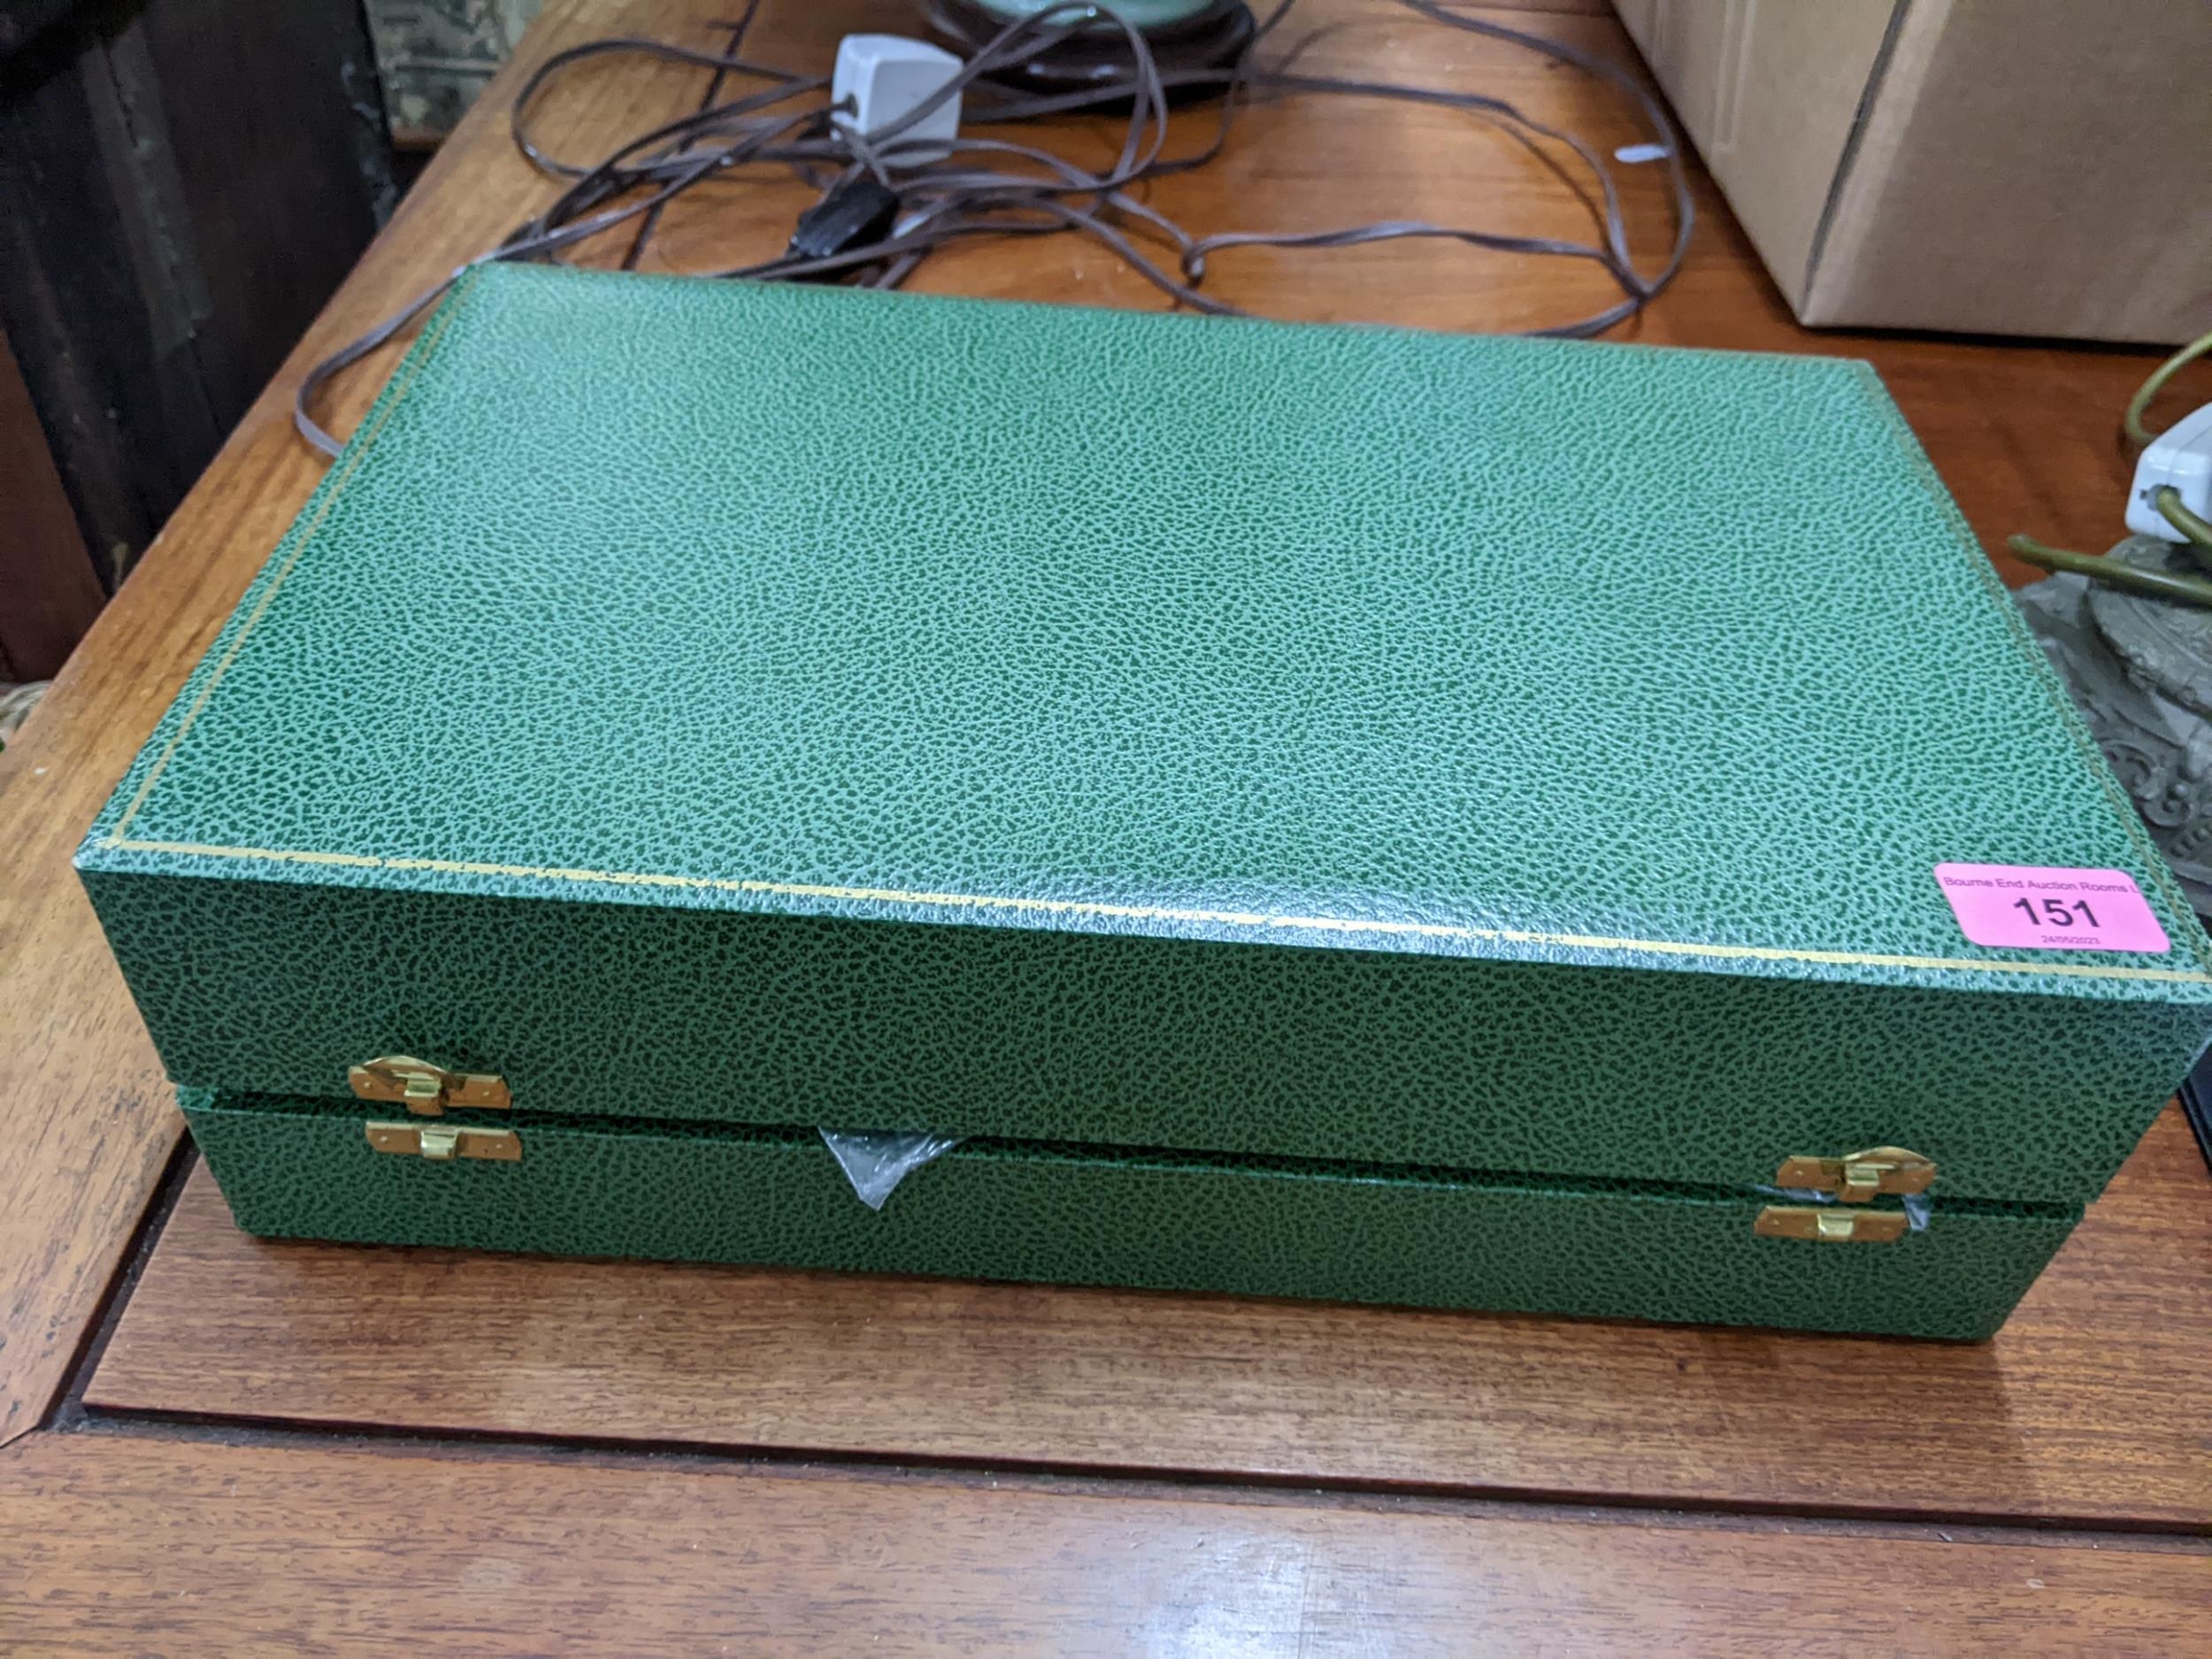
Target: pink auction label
2043 909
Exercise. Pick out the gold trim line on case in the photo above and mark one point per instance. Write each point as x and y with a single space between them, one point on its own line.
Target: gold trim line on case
419 358
335 487
1255 919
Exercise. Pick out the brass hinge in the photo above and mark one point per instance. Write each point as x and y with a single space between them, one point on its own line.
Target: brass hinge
1830 1227
424 1089
1859 1176
442 1142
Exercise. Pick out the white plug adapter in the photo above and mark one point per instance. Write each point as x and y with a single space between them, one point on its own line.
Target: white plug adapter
886 75
2179 459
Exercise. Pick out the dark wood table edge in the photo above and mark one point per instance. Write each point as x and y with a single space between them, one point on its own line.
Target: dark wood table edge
32 1387
160 1429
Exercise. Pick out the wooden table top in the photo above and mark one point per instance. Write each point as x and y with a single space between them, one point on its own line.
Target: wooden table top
210 1444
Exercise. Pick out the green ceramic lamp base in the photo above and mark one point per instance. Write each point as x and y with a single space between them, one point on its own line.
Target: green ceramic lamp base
1145 14
1185 35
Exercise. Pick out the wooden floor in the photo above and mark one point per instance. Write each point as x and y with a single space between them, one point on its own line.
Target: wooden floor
210 1445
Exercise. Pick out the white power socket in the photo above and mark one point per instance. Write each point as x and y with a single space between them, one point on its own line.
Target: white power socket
2180 459
885 76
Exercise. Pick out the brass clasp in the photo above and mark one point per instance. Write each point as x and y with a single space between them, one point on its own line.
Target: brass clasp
424 1089
1859 1176
1830 1226
441 1143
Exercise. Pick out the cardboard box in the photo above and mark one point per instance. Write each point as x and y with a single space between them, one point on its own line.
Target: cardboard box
1989 167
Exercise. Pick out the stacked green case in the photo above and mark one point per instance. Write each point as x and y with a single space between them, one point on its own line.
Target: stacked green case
1327 812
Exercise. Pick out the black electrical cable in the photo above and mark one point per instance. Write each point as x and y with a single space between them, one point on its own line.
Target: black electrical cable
975 186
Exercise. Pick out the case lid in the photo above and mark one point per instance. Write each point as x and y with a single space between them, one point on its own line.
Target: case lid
792 704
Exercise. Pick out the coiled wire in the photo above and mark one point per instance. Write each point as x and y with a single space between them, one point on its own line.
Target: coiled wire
978 186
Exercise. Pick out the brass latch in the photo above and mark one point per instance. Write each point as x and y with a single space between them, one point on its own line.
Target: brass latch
1859 1176
1830 1227
424 1089
442 1142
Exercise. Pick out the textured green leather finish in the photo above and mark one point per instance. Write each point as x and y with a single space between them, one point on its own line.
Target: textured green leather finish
1386 1057
1075 1216
775 705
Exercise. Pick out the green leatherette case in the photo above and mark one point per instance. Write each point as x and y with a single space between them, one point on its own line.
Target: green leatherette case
1142 743
1102 1215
